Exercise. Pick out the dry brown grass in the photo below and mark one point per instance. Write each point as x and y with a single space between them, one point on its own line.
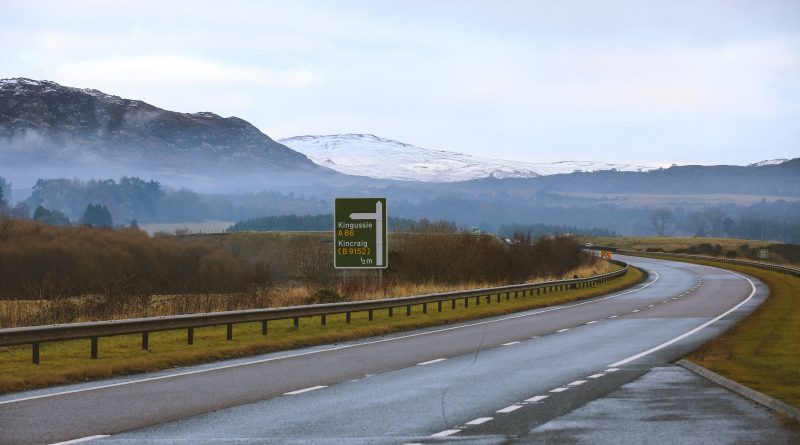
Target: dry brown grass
14 313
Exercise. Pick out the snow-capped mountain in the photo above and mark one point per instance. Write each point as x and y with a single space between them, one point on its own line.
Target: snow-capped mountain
768 162
369 155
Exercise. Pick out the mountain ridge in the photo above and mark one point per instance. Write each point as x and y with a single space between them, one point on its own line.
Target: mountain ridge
43 117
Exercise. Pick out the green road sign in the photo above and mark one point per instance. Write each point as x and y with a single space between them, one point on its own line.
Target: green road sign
359 233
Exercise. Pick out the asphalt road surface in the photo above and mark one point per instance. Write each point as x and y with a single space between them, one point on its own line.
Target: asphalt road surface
485 381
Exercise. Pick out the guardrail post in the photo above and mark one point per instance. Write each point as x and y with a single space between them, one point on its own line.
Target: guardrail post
297 322
424 308
488 299
508 296
477 301
35 352
347 318
453 305
370 314
408 310
322 319
498 297
190 336
391 312
466 302
145 340
229 334
94 347
439 306
264 327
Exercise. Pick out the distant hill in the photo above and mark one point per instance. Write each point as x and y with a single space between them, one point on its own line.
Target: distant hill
771 179
47 127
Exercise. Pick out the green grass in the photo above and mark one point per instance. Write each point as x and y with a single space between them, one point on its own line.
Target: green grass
65 362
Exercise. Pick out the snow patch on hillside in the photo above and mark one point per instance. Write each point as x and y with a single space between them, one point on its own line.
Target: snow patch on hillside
369 155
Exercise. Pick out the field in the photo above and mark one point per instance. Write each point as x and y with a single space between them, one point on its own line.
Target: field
669 244
696 201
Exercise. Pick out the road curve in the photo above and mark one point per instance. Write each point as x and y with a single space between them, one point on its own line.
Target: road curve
483 381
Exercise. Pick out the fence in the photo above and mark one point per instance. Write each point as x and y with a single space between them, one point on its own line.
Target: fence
35 335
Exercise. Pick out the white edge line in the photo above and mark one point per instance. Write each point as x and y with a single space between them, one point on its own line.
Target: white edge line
479 421
591 322
430 362
336 348
510 343
445 433
300 391
686 334
562 330
81 440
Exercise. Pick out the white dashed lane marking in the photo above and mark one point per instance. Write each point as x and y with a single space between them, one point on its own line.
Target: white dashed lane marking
562 389
81 440
479 420
576 383
445 433
509 409
300 391
595 376
535 399
430 362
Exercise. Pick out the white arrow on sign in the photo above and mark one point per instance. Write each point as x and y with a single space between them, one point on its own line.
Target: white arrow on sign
378 217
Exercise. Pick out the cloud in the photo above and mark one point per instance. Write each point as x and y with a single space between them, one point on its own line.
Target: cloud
183 71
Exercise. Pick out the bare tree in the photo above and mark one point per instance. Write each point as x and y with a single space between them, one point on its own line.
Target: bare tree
697 223
716 220
661 219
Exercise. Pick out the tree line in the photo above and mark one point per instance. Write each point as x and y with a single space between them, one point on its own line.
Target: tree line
324 222
779 220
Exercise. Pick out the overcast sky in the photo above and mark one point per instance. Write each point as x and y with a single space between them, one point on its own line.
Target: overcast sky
654 83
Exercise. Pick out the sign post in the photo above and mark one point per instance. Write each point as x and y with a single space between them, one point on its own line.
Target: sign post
359 233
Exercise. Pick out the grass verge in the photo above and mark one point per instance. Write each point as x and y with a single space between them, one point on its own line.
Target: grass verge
68 361
761 351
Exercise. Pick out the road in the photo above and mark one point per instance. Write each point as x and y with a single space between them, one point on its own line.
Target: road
478 382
